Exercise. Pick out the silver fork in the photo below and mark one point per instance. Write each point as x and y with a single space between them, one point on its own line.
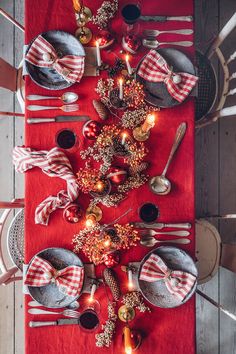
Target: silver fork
65 108
155 33
67 313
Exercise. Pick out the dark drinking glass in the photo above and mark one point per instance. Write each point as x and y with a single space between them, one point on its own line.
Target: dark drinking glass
148 212
65 139
131 13
89 320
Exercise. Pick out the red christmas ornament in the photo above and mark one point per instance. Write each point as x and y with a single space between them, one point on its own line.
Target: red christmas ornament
73 213
131 43
117 175
105 39
111 259
91 129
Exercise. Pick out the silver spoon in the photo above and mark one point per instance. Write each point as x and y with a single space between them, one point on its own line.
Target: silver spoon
153 43
160 184
67 97
180 233
151 241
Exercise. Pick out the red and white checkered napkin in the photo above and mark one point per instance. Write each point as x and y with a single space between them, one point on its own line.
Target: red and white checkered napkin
41 273
54 163
42 54
154 68
177 282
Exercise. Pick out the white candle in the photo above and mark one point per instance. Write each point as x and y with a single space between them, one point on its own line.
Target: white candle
99 62
93 289
130 279
124 136
128 64
121 89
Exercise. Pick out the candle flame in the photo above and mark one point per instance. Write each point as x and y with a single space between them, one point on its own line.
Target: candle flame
130 285
127 57
151 118
128 350
107 243
100 186
90 299
90 221
120 81
97 43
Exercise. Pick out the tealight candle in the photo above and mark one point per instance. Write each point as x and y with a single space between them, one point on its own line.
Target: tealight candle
121 89
128 64
124 136
93 289
149 123
90 220
99 62
127 340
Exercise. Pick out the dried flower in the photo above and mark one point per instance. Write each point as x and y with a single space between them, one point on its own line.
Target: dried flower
133 118
104 339
134 299
105 13
104 87
92 241
133 94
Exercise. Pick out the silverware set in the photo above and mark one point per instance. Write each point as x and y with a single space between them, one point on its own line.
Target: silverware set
69 312
150 40
66 313
68 98
148 233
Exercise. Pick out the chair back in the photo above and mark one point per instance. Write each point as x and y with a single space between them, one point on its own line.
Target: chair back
214 50
8 273
8 76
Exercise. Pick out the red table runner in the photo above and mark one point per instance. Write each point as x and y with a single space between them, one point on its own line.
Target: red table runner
169 331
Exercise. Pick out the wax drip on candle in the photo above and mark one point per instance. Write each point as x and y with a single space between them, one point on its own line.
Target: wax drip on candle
148 123
128 64
93 289
98 53
130 279
121 94
124 136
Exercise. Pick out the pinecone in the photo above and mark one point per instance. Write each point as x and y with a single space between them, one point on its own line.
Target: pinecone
137 169
120 149
101 109
111 280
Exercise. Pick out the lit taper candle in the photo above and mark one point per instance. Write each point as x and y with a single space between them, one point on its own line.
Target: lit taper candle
99 62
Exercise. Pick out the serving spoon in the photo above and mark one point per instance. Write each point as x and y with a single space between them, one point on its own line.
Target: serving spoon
160 184
67 97
151 241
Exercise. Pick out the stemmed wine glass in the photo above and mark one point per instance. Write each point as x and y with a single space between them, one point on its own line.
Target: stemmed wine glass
131 13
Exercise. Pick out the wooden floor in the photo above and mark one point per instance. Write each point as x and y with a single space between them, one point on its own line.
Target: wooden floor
215 186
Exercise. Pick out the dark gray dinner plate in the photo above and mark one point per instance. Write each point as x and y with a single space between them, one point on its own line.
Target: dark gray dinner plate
49 295
156 93
64 44
156 292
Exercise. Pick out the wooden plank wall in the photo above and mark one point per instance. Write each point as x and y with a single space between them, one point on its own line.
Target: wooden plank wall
11 300
215 186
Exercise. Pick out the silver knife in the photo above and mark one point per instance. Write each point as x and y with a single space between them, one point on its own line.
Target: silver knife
58 119
60 322
166 18
159 225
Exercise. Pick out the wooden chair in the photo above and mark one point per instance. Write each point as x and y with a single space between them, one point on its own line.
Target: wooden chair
212 253
15 239
10 77
209 108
